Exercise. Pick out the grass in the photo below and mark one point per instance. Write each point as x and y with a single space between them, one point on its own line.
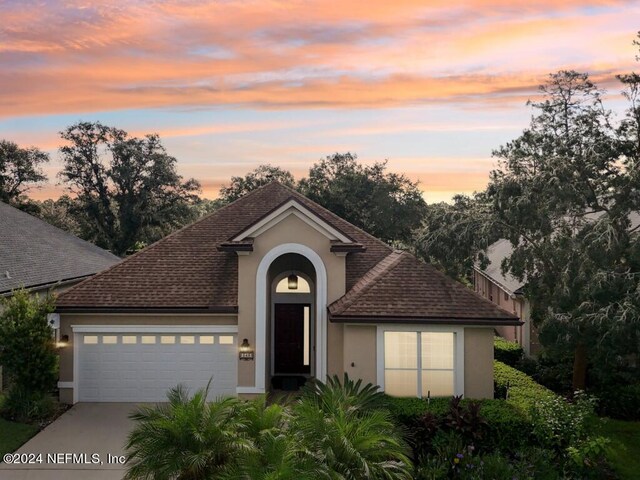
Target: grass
13 435
625 447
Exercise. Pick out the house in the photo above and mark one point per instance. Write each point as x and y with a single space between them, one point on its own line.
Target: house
263 294
506 291
42 258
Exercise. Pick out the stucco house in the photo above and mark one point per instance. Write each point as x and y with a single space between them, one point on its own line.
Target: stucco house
263 294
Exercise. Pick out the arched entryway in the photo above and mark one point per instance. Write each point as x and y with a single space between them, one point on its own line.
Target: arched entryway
290 322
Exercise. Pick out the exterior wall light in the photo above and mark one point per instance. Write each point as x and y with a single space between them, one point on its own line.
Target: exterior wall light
246 352
63 342
292 281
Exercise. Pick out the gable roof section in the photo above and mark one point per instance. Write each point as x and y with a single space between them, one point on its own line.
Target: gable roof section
186 271
291 206
36 254
403 289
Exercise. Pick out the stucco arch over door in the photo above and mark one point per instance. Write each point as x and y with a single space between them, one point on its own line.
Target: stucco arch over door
262 309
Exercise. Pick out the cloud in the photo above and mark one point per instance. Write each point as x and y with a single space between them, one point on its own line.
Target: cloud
84 56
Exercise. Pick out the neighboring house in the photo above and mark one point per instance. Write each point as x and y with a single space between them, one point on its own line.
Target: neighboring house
42 258
263 294
506 291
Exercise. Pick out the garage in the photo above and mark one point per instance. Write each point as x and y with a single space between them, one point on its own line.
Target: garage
141 366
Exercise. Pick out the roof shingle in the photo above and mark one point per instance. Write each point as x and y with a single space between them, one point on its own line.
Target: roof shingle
35 253
186 269
403 287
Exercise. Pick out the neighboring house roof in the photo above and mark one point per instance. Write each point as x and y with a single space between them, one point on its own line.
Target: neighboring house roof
497 252
503 248
34 253
195 270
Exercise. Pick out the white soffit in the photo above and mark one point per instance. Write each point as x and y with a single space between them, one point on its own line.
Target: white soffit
293 208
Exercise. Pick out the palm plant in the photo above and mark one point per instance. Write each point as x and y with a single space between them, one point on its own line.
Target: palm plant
278 453
344 394
187 438
343 429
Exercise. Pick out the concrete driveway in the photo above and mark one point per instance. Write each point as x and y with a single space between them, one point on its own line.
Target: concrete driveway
94 432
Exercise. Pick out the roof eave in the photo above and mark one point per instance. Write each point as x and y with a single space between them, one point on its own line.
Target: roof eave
42 286
422 320
150 309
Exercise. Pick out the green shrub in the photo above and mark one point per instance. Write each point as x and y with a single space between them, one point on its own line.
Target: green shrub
559 424
28 352
507 352
507 429
22 406
523 391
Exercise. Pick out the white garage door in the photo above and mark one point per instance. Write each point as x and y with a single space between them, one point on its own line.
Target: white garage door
142 367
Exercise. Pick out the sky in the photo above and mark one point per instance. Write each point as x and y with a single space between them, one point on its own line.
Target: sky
431 86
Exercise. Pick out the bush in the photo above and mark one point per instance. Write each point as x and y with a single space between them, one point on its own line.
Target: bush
504 428
22 406
559 424
28 352
507 352
621 402
522 390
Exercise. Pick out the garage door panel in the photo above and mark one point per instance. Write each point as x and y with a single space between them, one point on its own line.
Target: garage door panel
148 365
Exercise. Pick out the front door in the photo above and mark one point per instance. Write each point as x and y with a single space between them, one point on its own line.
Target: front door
289 339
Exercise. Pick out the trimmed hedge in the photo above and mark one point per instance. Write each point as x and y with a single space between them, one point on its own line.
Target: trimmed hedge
507 352
522 391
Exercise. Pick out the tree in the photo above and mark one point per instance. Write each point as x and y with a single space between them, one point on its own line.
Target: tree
27 354
59 213
127 189
262 175
452 239
20 170
564 195
387 205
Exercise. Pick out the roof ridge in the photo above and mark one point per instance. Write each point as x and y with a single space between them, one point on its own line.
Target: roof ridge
364 284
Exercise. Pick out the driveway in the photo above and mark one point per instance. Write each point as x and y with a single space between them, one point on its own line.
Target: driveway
97 430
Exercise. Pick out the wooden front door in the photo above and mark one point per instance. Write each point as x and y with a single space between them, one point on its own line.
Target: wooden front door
288 342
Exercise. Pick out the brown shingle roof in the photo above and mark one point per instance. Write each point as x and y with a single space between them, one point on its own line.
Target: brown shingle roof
402 288
185 270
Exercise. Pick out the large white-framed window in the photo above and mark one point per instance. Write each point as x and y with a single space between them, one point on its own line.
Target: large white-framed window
420 361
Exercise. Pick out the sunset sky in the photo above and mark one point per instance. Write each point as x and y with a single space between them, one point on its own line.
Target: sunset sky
432 86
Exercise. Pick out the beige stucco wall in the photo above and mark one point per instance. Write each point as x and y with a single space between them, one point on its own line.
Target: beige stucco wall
289 230
360 353
478 362
67 320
